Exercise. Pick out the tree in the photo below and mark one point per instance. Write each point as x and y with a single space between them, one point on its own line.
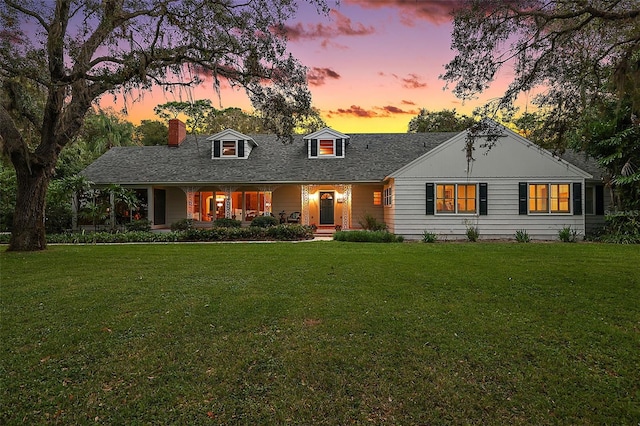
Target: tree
439 121
579 57
151 132
69 53
233 118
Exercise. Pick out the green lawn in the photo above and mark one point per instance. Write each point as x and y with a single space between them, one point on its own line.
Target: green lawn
321 333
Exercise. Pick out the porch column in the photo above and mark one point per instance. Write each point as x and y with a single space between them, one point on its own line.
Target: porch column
228 208
304 193
190 192
112 210
268 198
346 207
150 205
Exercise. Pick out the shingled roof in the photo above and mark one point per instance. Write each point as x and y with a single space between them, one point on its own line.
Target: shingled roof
368 158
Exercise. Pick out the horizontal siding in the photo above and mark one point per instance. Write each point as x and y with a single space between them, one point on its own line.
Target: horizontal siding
176 205
287 198
502 220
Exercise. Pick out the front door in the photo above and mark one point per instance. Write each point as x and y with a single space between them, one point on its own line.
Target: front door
326 208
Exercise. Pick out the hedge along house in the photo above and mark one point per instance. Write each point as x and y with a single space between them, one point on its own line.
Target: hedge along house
412 182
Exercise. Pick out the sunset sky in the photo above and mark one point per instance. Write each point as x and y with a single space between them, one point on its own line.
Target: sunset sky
372 65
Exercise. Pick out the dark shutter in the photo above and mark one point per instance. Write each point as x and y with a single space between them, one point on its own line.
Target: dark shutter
483 199
314 147
577 198
216 148
241 148
338 147
600 200
522 197
431 202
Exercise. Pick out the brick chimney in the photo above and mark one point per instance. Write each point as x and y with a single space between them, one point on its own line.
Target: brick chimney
177 132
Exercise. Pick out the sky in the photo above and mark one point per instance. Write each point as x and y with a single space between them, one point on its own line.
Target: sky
372 65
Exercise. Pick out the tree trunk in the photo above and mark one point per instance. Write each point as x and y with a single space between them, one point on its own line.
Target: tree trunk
28 220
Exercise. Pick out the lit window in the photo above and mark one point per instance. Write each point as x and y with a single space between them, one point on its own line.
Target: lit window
326 147
377 198
560 198
549 198
228 148
466 198
456 198
445 199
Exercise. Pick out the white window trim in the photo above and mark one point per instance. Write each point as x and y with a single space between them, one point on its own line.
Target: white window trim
335 149
455 199
550 213
222 155
387 197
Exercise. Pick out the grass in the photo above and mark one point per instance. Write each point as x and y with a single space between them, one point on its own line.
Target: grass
321 333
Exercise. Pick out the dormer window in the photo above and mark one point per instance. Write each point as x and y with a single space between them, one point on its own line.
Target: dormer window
326 147
231 144
326 143
229 148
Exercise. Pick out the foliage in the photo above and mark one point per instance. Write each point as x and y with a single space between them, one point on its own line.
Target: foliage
390 333
226 222
139 225
182 225
151 132
7 196
439 121
568 235
264 221
472 233
581 59
369 223
105 129
58 58
196 113
522 236
609 133
357 236
621 228
233 118
429 237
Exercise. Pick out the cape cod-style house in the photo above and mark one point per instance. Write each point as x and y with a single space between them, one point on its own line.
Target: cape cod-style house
411 182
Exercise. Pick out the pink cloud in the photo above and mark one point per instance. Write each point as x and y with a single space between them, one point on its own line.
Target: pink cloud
319 76
340 25
358 111
436 11
411 81
405 102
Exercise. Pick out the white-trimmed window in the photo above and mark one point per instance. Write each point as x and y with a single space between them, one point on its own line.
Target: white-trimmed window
388 196
326 147
229 149
456 198
549 198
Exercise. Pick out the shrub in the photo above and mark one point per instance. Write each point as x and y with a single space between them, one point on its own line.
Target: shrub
568 235
367 236
473 233
522 236
370 223
226 222
621 228
182 225
264 221
429 237
138 225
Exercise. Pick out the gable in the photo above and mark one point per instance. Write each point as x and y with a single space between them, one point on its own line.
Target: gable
326 143
512 156
230 144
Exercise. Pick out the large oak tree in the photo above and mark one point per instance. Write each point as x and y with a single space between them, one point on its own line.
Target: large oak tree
581 61
58 57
